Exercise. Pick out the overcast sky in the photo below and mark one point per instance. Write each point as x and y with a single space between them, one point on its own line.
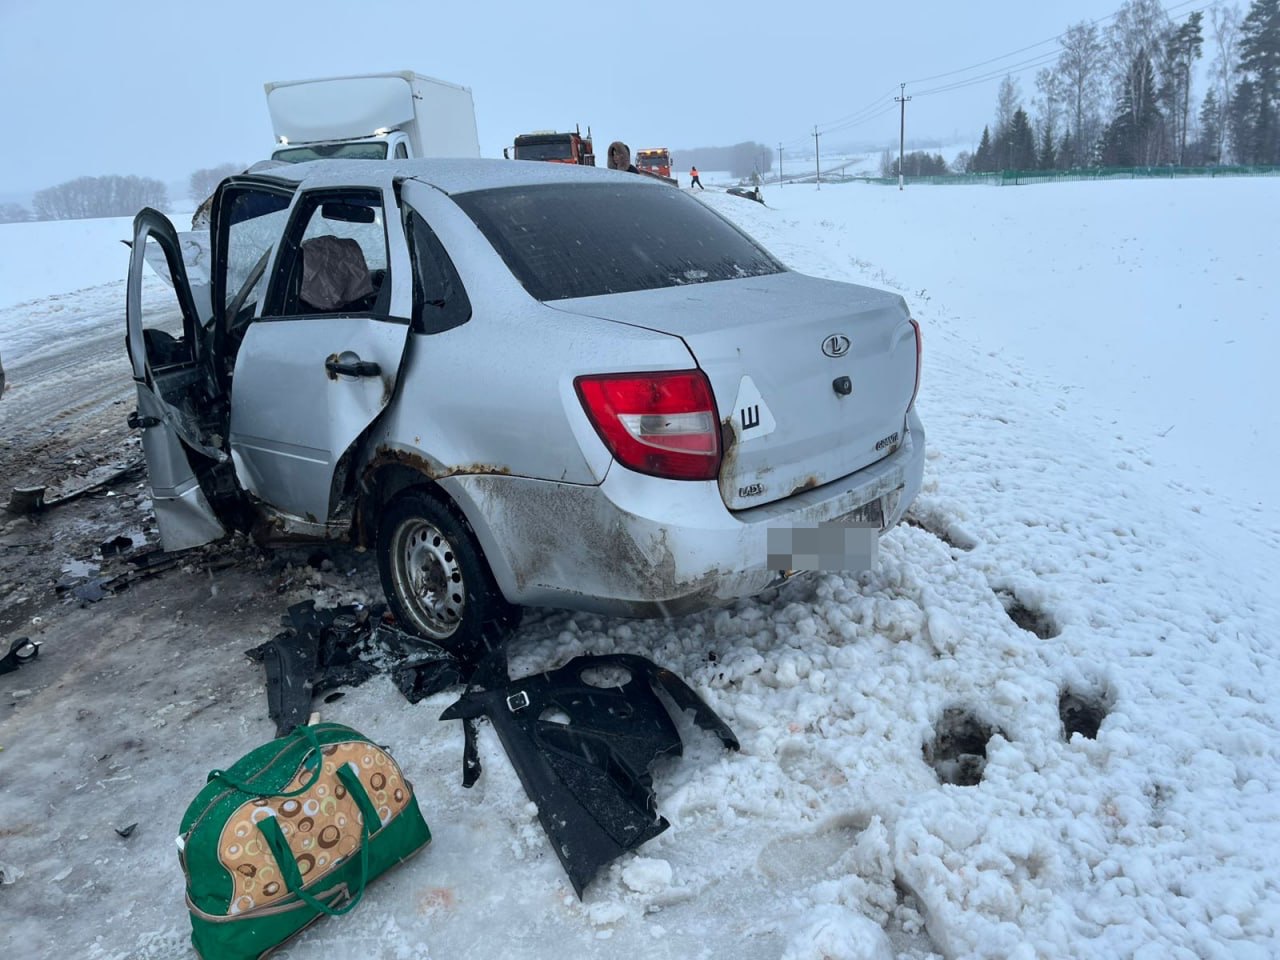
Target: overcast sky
155 89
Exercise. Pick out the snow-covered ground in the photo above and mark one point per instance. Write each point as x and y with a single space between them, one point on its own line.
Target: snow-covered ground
1102 440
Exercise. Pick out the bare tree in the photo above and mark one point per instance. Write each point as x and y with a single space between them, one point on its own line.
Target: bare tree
1080 67
1226 41
1008 102
1049 105
1140 25
204 182
888 163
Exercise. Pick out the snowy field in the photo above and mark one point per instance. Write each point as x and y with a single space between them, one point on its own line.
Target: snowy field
1102 437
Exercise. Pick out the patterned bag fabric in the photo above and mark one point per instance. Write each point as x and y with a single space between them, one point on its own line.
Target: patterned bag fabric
290 833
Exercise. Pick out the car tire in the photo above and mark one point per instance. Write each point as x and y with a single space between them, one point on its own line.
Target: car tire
436 580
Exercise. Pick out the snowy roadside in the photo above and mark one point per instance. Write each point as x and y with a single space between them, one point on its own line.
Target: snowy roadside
829 834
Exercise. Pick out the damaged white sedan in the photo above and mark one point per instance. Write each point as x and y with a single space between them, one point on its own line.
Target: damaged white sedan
522 384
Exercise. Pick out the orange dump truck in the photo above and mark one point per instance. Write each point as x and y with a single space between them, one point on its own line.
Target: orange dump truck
656 162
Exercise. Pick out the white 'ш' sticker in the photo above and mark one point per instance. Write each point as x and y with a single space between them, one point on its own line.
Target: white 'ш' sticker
751 416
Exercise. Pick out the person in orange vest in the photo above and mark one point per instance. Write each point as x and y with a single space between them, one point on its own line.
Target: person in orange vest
693 176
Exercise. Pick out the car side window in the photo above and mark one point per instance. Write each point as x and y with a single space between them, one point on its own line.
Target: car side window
335 257
440 301
251 222
401 152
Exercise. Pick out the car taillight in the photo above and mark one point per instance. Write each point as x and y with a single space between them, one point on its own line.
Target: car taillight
663 424
919 347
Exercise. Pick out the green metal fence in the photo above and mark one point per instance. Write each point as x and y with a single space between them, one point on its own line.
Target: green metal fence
1020 177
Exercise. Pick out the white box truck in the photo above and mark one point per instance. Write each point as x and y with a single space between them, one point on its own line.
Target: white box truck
374 116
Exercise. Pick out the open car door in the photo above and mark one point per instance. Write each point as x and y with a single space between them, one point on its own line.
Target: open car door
177 402
319 363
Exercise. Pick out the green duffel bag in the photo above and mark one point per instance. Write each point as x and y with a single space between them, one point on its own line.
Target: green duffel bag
290 833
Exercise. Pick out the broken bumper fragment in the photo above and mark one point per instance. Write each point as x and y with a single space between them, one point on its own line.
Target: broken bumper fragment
582 739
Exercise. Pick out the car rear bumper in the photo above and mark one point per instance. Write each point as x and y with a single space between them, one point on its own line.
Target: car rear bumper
637 546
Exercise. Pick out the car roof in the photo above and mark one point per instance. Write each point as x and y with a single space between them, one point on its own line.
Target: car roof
452 176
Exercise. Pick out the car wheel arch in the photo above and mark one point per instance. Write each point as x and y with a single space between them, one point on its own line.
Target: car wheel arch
392 473
380 483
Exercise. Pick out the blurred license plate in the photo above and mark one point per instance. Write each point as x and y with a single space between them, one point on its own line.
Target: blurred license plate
849 545
869 514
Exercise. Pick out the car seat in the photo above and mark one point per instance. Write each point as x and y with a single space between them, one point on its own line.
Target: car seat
335 276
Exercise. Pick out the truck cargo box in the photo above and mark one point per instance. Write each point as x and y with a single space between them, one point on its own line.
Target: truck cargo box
437 117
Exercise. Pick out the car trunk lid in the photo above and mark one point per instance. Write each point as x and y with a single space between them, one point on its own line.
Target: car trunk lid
812 378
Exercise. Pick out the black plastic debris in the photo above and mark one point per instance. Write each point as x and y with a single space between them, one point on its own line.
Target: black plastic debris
92 590
22 650
156 559
420 680
116 545
126 832
290 662
24 500
324 649
584 750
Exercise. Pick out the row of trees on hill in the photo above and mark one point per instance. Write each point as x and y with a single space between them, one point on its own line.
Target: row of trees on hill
98 197
111 196
1125 95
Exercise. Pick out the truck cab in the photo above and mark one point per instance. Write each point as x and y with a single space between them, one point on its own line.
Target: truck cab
656 162
394 145
553 147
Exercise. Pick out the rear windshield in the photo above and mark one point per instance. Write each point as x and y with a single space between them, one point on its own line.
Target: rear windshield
333 151
582 240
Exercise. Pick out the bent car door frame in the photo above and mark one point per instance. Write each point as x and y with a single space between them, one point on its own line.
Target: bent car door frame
307 387
169 437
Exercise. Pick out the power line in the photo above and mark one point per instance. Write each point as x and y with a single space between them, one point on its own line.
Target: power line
884 111
878 101
1041 43
1011 69
1023 66
883 105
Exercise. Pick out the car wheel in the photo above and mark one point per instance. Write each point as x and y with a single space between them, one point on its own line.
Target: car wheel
436 580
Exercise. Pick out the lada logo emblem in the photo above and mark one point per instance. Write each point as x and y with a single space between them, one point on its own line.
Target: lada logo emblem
836 345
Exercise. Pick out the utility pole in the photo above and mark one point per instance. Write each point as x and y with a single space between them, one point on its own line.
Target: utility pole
779 164
902 129
817 166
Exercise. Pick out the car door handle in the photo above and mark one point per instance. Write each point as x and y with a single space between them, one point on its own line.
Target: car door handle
350 367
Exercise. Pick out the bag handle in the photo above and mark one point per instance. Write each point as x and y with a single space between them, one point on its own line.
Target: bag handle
310 736
279 847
